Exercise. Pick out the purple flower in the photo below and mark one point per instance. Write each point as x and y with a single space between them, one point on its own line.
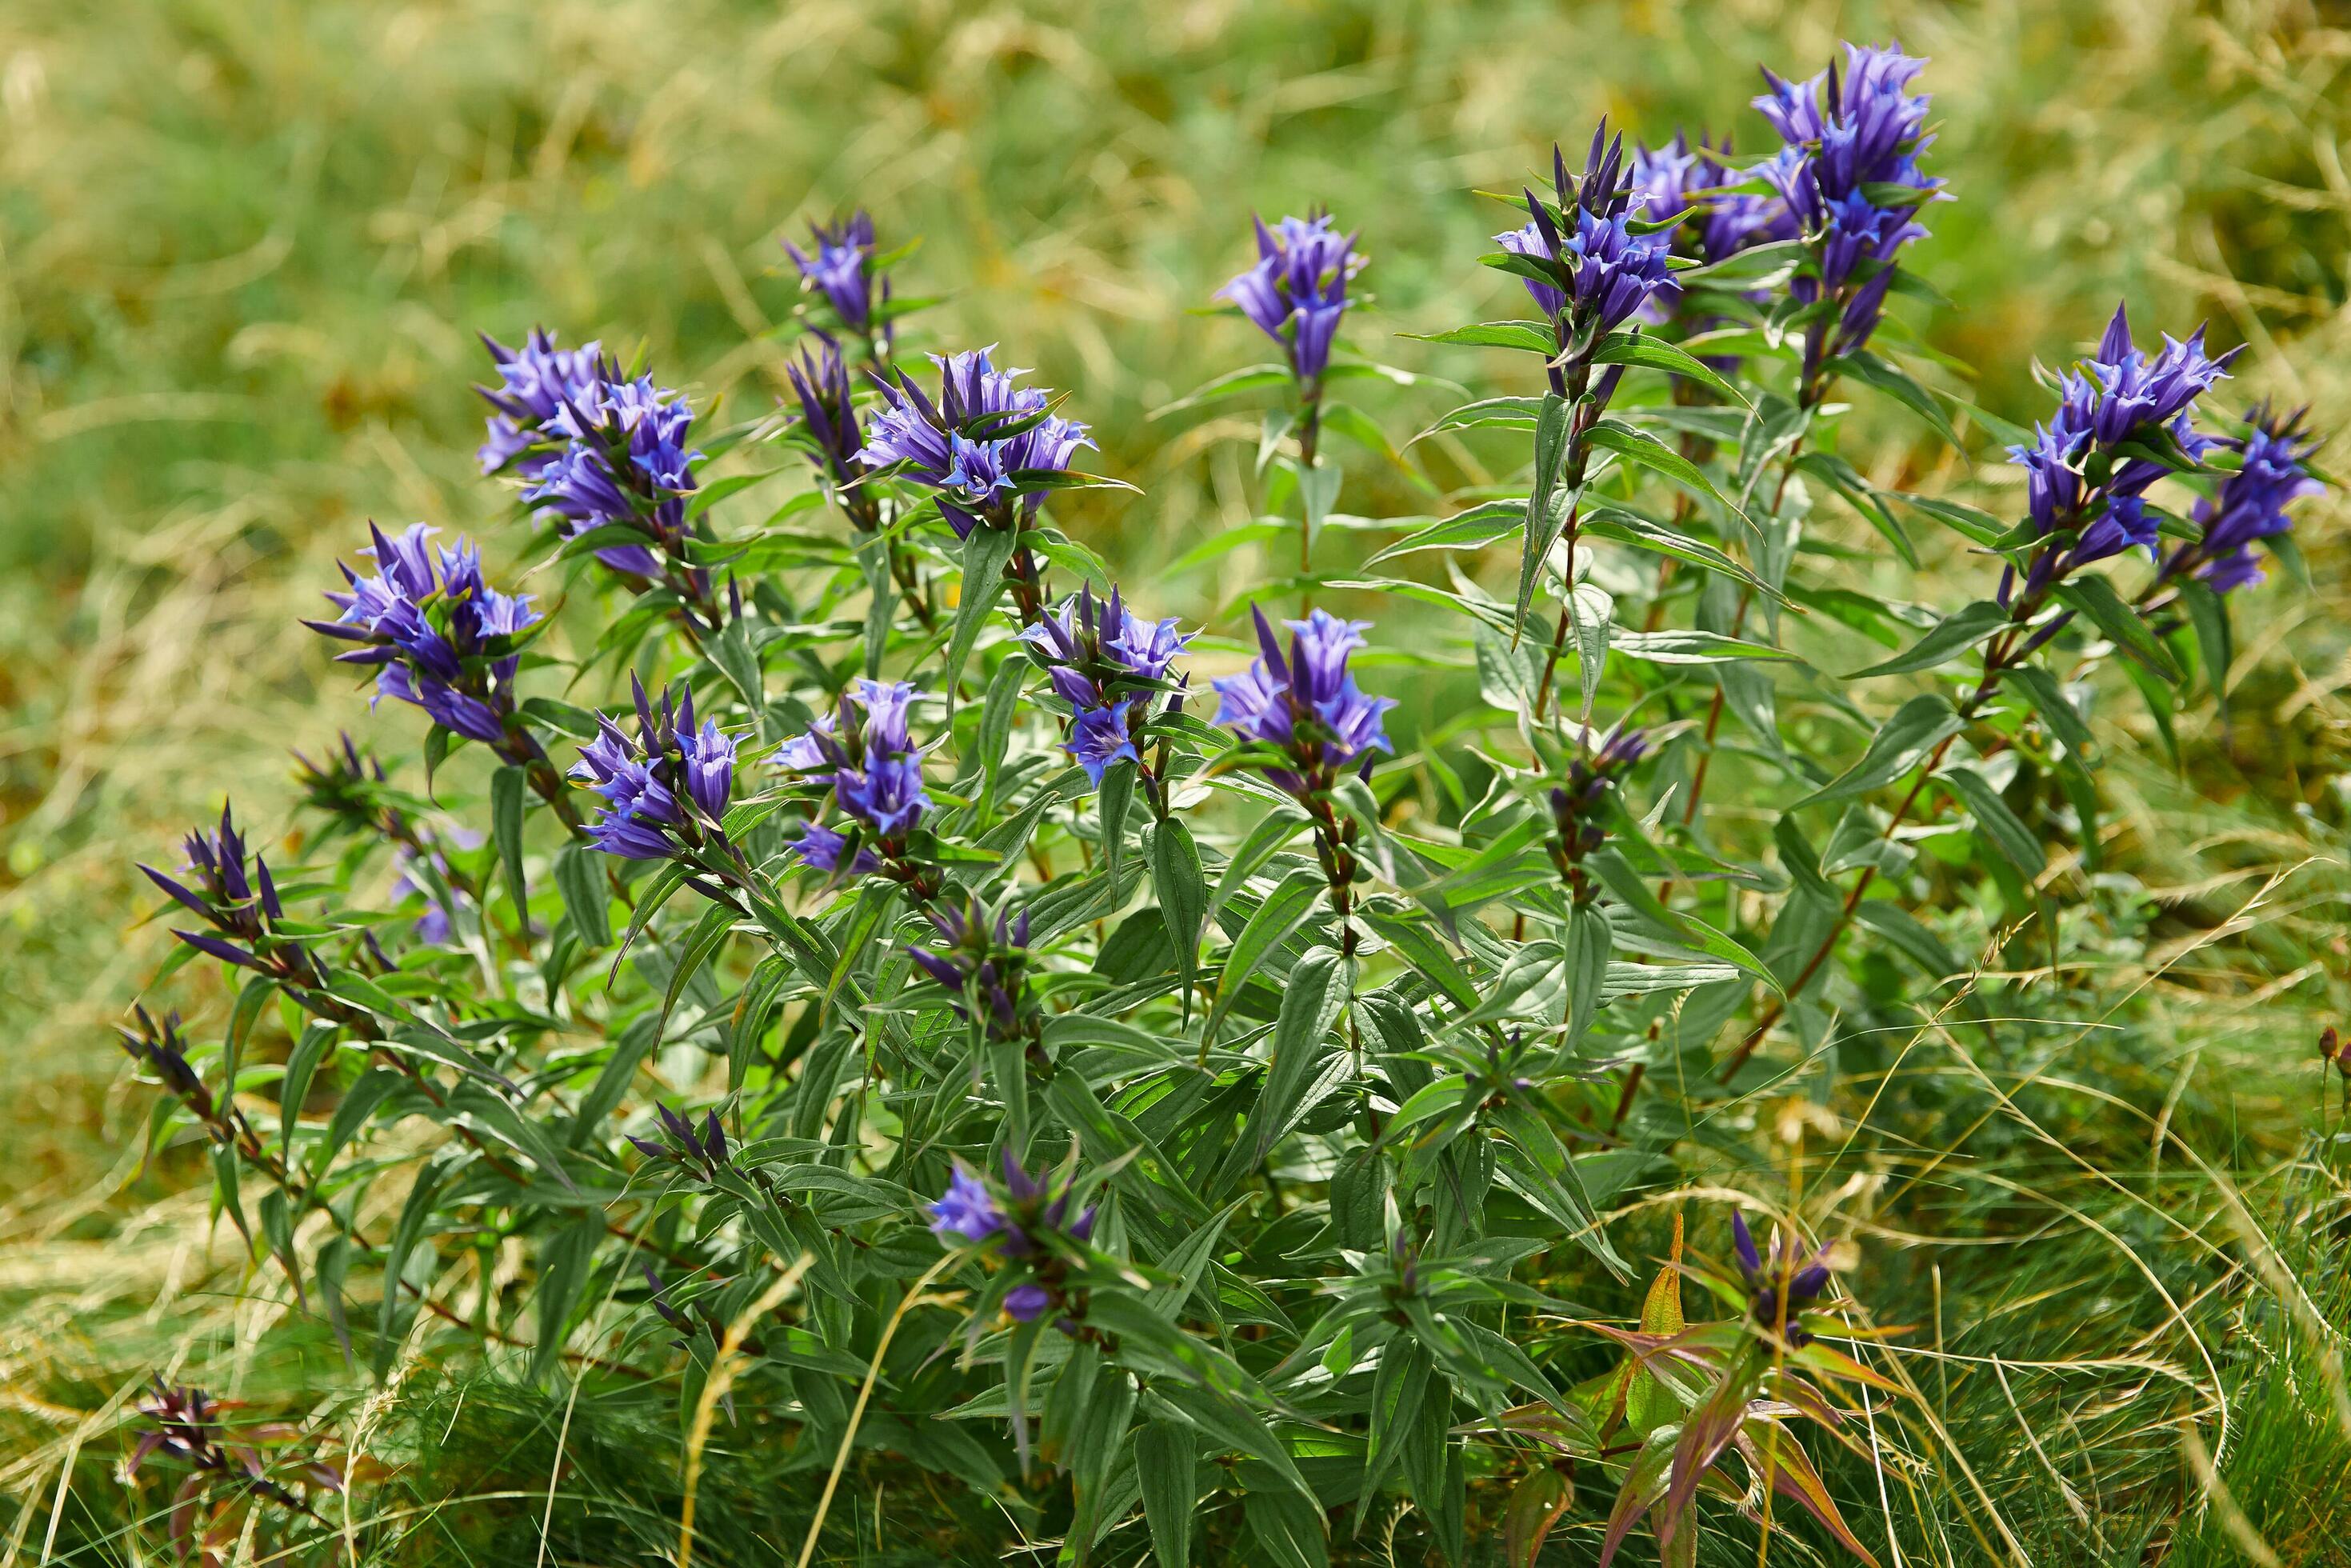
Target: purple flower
684 1144
535 382
1306 703
966 1209
1596 273
242 908
1297 292
1778 1281
1850 177
164 1053
441 636
842 269
665 791
1028 1302
1091 654
820 847
626 463
2253 502
1576 832
2086 468
983 964
1861 127
985 446
1100 739
886 795
876 772
828 416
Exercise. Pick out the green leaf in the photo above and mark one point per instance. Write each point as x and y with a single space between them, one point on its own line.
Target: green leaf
732 651
1318 492
1544 519
1917 727
1534 337
1628 528
2208 613
564 1263
2007 832
2094 597
1848 481
1867 367
1284 909
1312 1001
1657 354
1688 647
1183 898
2049 700
1476 528
507 786
1639 446
985 556
1231 385
1911 939
1958 632
580 878
1167 1462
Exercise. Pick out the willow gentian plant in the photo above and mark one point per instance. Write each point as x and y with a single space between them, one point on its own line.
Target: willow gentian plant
764 991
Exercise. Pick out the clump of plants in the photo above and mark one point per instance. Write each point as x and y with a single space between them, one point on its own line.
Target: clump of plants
1207 1093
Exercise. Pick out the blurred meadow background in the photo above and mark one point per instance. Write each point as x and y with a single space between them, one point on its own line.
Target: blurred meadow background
245 249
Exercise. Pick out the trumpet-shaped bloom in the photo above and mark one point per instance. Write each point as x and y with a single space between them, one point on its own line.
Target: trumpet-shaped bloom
1297 292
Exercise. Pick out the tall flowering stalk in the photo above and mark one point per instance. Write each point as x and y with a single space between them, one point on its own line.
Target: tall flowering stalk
1296 294
2123 421
1588 274
1304 724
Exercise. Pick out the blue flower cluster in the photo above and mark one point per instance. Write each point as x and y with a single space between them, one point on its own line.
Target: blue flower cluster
987 447
599 449
1576 832
2252 503
876 776
1306 703
1780 1285
440 635
1596 274
1297 292
971 1212
1105 663
984 965
242 908
665 791
2086 469
839 268
829 415
1851 177
1692 188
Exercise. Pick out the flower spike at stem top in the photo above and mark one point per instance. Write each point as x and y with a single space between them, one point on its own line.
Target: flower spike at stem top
2084 473
1110 665
874 771
1297 294
439 637
605 452
986 450
1305 706
841 268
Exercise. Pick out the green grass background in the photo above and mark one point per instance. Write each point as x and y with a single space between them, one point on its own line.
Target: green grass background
245 245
